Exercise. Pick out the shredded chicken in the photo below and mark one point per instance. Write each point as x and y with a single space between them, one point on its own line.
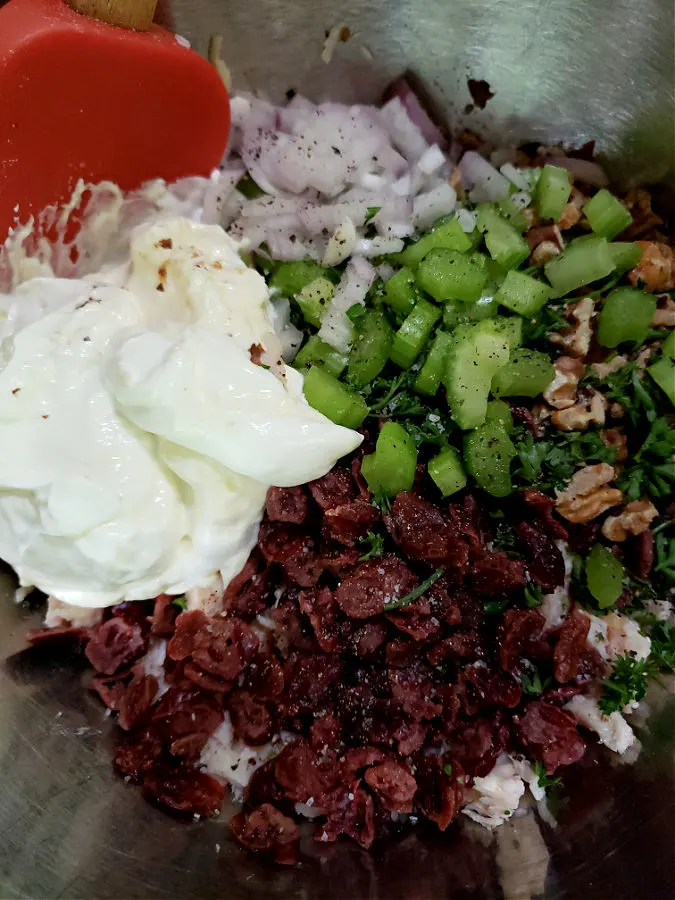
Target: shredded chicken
635 518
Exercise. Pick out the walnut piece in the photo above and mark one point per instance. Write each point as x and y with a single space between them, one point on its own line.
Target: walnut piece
578 417
572 211
544 252
603 369
562 391
635 518
656 269
612 437
577 338
586 496
664 317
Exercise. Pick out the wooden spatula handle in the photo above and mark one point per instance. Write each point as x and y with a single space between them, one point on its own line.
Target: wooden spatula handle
134 14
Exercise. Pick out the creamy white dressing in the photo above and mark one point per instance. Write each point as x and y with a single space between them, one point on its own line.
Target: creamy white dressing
137 437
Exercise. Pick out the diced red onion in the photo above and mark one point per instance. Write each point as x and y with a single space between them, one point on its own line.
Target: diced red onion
515 176
404 133
431 160
378 246
521 199
428 207
482 179
466 219
431 133
336 329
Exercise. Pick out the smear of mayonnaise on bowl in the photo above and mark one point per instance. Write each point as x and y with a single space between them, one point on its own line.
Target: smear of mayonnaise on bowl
137 437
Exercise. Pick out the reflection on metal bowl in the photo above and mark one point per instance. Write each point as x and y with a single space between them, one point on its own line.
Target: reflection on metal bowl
575 70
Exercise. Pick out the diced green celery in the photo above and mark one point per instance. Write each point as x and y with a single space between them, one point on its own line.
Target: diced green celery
527 374
476 353
413 334
668 348
582 262
625 316
508 327
505 244
431 374
663 373
449 236
606 215
604 576
553 192
317 352
522 293
292 277
391 468
488 451
454 313
625 255
450 275
485 308
447 471
500 412
400 291
313 299
327 395
513 214
370 349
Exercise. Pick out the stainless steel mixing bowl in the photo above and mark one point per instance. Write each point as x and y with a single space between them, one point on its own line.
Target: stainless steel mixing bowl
562 69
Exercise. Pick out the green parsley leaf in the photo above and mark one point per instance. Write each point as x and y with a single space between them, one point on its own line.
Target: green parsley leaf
662 656
627 682
534 596
546 782
415 594
371 212
180 602
551 463
447 768
374 543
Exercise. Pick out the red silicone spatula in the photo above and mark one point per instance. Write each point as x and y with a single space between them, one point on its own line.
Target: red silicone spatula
99 94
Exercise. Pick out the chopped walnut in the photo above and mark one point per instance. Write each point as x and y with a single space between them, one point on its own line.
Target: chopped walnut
572 211
586 496
545 234
645 355
603 369
577 338
540 415
578 417
656 270
612 437
562 391
638 202
664 317
544 252
635 518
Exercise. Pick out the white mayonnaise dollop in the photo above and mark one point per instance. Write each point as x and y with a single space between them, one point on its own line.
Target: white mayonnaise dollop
137 437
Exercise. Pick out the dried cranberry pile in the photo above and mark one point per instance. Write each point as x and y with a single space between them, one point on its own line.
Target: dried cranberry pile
393 712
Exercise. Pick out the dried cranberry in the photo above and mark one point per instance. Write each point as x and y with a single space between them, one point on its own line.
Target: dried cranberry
358 759
218 646
570 647
179 714
61 634
185 790
467 519
462 645
334 489
291 626
247 593
393 784
137 754
305 567
114 644
366 639
410 736
309 680
353 816
365 591
322 612
302 774
251 718
496 574
478 743
483 689
544 559
267 830
288 504
550 735
414 689
641 553
441 789
542 507
132 700
278 541
350 522
325 732
521 629
424 533
164 616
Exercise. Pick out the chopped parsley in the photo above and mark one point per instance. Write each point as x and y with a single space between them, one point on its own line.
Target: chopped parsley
662 656
546 782
531 681
534 596
626 684
371 212
180 602
447 768
374 544
415 594
651 469
551 463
